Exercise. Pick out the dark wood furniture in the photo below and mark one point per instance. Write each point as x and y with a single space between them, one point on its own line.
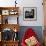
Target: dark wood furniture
4 13
0 43
10 43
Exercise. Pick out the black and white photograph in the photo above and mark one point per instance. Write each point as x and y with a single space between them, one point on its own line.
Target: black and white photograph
29 13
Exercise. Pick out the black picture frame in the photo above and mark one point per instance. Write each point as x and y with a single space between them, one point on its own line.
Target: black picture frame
30 13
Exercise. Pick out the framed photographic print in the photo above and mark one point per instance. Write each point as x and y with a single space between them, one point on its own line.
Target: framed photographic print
5 12
13 12
30 13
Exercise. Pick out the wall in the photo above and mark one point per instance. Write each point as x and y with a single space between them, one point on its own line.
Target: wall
38 5
27 3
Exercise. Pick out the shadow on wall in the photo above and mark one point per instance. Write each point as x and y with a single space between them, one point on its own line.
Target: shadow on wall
37 29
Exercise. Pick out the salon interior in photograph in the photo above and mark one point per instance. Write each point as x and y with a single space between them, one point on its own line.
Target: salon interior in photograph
22 23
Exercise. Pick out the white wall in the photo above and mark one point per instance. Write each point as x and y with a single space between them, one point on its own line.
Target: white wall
38 5
27 3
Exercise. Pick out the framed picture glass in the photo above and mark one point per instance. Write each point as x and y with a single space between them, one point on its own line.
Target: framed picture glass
5 12
30 13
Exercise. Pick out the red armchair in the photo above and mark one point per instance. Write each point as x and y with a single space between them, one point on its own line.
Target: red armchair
28 34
